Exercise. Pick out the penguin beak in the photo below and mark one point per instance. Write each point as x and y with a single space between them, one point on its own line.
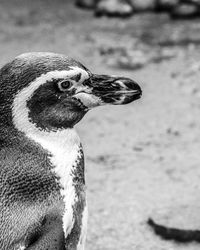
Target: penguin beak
104 89
115 90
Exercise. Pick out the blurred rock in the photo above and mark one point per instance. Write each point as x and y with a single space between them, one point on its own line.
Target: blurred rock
120 8
173 132
185 11
136 57
166 5
177 9
143 5
88 4
194 69
164 54
196 2
131 61
188 81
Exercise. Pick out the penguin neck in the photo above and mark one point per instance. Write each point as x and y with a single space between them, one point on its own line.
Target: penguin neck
66 156
65 152
62 146
53 141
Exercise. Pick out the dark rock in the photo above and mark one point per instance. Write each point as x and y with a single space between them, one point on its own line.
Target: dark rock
166 5
120 8
144 5
88 4
195 2
185 11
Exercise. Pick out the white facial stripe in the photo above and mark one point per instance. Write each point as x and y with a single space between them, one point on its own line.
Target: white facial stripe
20 110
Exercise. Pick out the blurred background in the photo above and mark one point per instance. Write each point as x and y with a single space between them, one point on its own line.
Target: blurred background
142 159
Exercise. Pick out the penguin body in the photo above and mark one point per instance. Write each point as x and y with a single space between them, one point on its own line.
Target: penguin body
42 184
30 198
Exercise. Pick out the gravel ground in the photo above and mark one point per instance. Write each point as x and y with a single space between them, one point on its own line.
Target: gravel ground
142 159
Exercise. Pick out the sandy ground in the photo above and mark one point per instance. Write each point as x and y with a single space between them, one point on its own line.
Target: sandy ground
142 159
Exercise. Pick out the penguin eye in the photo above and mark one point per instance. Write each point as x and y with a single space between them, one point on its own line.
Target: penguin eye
64 85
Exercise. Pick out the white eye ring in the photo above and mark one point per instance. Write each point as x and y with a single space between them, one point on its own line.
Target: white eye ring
64 85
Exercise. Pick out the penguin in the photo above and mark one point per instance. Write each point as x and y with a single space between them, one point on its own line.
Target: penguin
42 185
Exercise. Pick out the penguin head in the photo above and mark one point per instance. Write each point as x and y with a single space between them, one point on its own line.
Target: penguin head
52 91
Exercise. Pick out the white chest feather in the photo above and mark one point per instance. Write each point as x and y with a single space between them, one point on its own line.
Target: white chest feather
64 149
